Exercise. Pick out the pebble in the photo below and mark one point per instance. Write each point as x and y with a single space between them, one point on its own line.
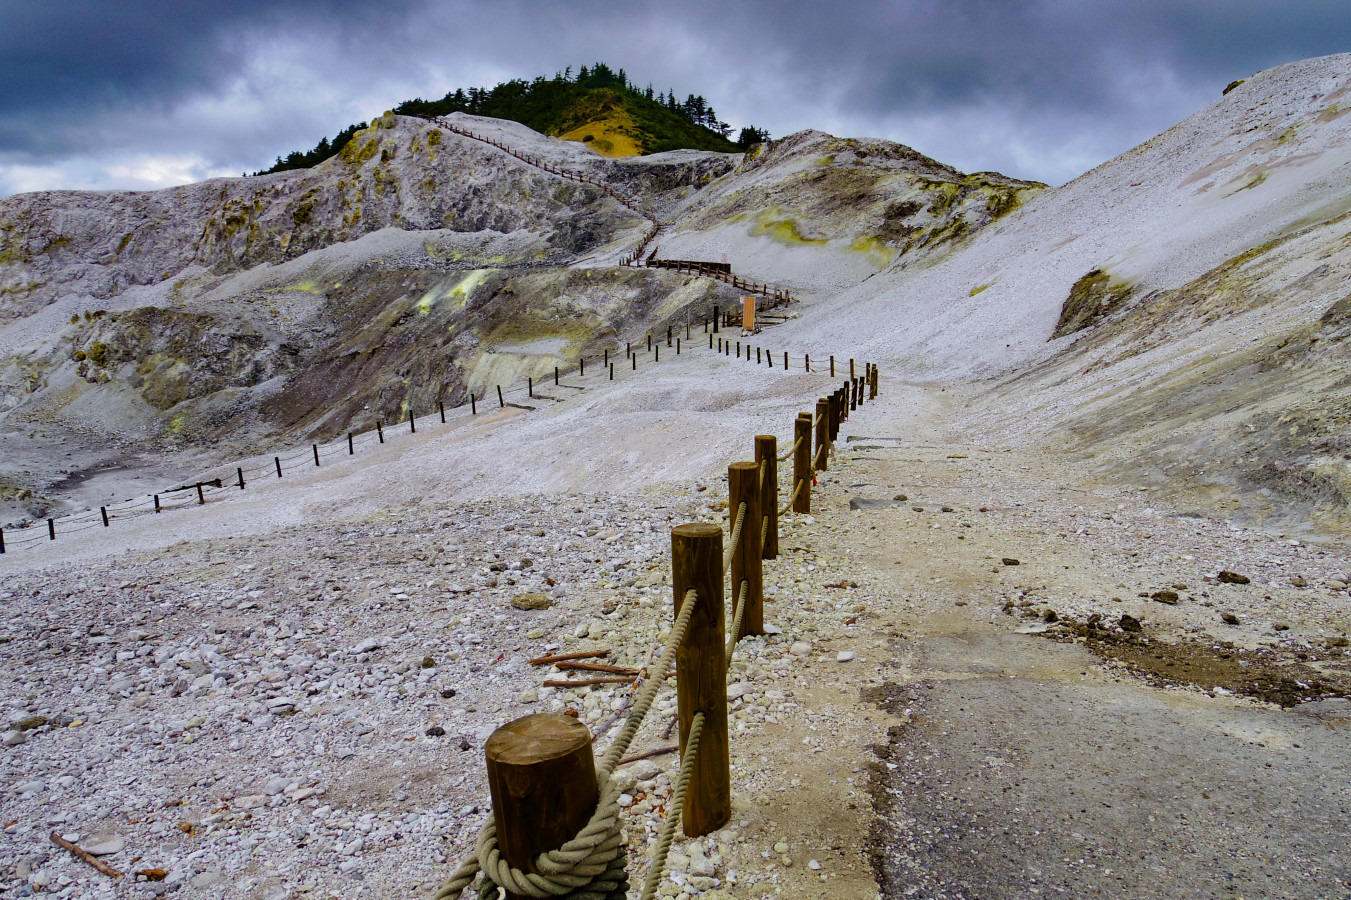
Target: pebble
15 738
844 656
104 845
531 601
800 648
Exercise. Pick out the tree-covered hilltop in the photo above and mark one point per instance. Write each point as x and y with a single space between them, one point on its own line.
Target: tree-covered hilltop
599 106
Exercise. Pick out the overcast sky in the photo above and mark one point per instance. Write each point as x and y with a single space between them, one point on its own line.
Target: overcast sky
150 93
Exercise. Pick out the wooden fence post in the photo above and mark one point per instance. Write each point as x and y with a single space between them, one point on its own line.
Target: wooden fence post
701 674
239 470
380 430
555 376
807 361
767 452
316 454
277 462
851 369
743 484
156 502
832 366
822 433
501 404
441 407
473 404
51 529
103 510
802 465
542 778
350 449
201 498
412 426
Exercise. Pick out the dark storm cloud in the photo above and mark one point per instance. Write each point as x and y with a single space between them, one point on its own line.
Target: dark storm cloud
1039 89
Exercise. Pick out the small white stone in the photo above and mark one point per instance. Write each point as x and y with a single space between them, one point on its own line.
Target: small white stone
844 656
800 648
814 865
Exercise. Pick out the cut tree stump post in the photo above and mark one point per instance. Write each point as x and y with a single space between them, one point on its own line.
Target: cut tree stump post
743 485
802 463
832 367
767 451
542 777
701 674
822 433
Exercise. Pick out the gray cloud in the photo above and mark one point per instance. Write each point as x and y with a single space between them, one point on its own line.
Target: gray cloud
104 94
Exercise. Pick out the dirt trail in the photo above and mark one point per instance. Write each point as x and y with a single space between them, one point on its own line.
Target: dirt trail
1020 764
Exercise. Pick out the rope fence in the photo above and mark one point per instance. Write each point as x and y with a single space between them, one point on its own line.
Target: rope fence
514 851
233 477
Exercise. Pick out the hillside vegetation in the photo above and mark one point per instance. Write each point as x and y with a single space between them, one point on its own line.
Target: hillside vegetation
599 107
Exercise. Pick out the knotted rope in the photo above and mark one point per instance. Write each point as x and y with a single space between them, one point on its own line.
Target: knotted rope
797 443
736 536
674 808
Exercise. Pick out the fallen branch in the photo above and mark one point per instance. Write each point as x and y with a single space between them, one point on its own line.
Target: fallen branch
586 682
658 751
595 667
560 657
85 855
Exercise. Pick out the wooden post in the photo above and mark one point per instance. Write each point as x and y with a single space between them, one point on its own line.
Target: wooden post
656 353
380 430
767 452
677 346
103 510
412 428
157 503
51 529
473 404
853 393
634 359
239 470
441 407
542 778
2 540
802 463
530 386
717 313
807 361
605 360
276 460
851 369
832 366
757 356
822 433
581 366
351 450
668 335
701 674
876 379
743 483
612 371
555 376
316 454
501 404
785 360
201 498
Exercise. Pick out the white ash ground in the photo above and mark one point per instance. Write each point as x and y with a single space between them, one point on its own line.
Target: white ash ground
252 715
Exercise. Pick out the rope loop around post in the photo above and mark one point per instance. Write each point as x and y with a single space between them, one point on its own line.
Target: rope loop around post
589 855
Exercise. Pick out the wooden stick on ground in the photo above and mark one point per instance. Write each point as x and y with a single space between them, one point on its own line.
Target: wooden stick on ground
559 657
595 667
586 682
85 856
656 751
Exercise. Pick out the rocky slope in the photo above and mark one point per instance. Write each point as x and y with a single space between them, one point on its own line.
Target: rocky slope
413 268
